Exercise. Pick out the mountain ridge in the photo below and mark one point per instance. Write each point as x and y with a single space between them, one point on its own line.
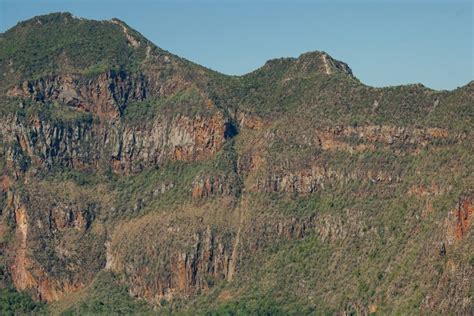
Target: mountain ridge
133 181
62 17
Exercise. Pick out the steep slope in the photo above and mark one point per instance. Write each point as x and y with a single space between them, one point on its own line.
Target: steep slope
293 189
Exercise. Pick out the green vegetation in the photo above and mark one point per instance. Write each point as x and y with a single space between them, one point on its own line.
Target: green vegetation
106 296
15 303
89 47
96 70
50 112
187 102
322 195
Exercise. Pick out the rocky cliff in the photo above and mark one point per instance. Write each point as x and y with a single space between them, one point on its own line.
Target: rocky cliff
293 189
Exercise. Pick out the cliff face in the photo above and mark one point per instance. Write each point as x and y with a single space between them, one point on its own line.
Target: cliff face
171 271
53 234
294 185
92 143
89 144
104 95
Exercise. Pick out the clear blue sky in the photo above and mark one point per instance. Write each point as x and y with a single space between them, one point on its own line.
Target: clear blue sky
384 42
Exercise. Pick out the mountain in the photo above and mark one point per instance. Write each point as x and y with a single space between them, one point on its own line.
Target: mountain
134 181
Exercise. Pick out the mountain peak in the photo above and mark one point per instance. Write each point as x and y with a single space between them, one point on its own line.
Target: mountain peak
307 65
133 181
56 17
323 60
63 43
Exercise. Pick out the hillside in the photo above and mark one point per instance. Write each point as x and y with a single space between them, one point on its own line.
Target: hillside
135 181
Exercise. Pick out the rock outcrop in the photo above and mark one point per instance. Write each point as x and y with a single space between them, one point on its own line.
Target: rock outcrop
292 185
87 144
53 236
459 219
162 272
104 95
